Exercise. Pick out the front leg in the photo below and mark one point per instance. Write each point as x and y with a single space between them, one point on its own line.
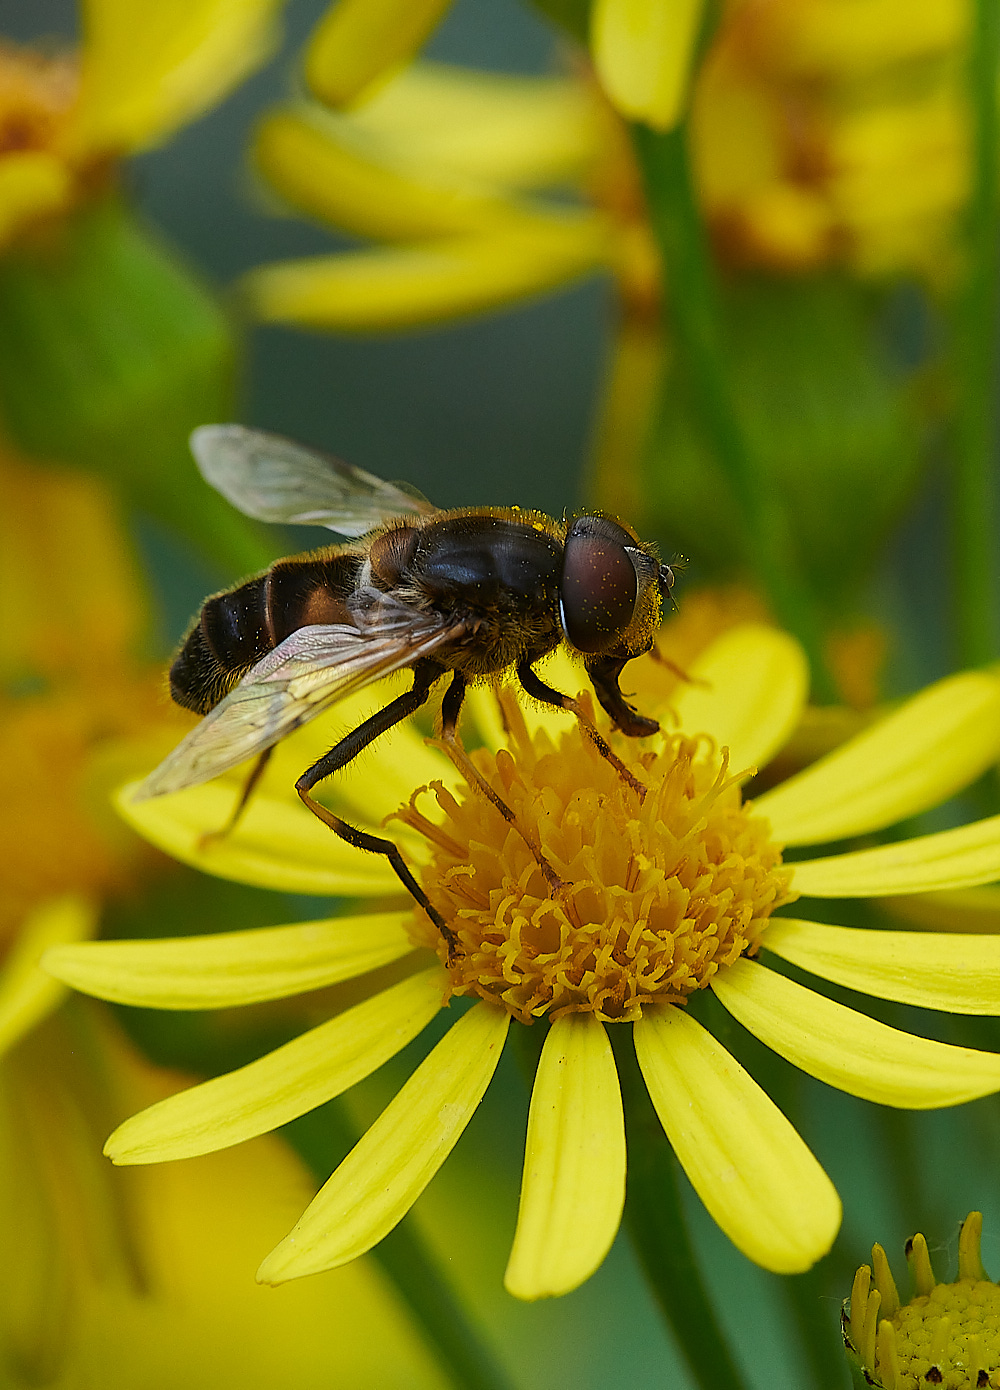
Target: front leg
604 672
538 690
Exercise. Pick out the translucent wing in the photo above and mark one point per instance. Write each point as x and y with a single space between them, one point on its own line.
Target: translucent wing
308 672
273 479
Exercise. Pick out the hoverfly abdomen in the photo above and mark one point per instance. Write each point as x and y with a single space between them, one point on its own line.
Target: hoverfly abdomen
235 629
230 635
303 593
236 625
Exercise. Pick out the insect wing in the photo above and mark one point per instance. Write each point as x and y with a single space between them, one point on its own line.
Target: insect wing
308 672
273 479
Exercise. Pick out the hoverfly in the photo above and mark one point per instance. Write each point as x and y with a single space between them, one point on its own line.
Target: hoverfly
476 592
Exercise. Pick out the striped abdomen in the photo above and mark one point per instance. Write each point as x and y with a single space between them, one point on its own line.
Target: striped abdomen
235 629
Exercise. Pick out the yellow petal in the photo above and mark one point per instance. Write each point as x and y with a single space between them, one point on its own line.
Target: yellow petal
573 1187
960 974
304 1073
232 968
849 1050
390 1166
359 41
958 910
150 68
328 172
748 691
483 713
378 291
485 127
745 1161
642 51
27 994
33 184
958 858
935 744
277 843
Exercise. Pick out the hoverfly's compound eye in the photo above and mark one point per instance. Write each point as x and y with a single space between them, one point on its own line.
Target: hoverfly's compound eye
600 584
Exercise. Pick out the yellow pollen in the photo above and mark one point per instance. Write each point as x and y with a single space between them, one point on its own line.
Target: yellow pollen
593 900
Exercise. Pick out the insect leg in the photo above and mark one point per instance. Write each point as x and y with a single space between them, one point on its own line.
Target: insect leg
450 707
425 673
604 672
538 690
249 787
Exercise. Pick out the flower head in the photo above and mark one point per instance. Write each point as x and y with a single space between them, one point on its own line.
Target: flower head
825 133
947 1334
141 72
610 899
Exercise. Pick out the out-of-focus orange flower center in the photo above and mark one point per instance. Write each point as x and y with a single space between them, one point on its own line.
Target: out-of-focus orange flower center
37 93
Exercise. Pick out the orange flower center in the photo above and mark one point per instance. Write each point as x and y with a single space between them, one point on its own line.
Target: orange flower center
593 899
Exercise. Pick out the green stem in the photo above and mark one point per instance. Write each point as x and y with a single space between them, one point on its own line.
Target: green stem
655 1220
321 1138
974 512
697 324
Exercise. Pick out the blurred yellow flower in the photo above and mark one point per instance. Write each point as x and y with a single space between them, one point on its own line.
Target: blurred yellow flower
652 890
140 1281
642 50
642 53
831 132
72 685
142 71
105 1282
821 133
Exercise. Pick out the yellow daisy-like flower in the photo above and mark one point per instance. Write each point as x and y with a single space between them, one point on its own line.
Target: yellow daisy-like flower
947 1334
142 71
602 907
642 50
820 134
71 688
825 132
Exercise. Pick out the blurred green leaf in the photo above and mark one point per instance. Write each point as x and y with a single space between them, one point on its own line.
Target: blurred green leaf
571 15
826 410
111 352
